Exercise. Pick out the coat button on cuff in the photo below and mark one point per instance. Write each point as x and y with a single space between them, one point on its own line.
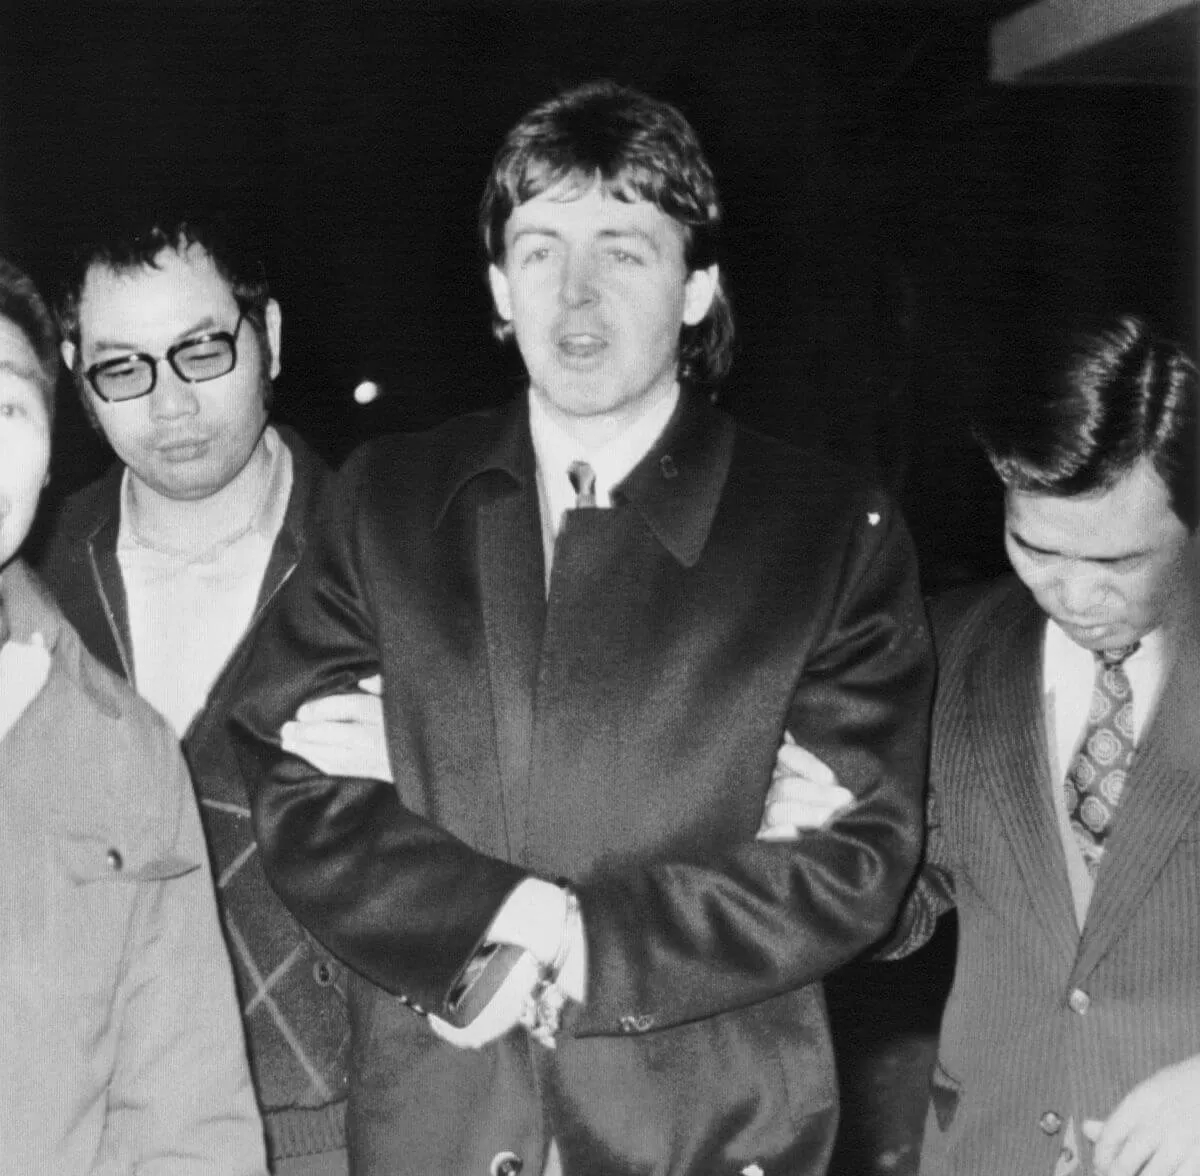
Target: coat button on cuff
115 861
1050 1123
1079 1001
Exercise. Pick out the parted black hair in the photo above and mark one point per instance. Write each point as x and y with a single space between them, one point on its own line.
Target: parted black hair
1091 408
637 148
138 243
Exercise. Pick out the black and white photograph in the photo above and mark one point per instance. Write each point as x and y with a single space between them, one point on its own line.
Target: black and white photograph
599 588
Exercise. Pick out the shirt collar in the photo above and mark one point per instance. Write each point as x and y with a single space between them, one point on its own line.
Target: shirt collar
676 486
555 449
1060 647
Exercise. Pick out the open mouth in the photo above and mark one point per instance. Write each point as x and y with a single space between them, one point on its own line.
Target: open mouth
582 345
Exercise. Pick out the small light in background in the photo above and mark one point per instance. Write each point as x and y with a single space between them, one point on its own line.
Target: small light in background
366 392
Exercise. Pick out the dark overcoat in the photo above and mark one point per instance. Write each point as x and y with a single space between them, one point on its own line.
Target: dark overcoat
617 730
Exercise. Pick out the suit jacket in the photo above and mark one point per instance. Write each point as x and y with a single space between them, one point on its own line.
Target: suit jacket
293 992
1045 1024
618 731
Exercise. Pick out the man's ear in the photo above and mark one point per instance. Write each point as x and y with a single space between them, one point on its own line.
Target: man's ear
67 350
698 294
273 318
501 294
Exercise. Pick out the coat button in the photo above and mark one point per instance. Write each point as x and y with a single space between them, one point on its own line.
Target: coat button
505 1164
666 463
115 860
1050 1123
1079 1001
324 973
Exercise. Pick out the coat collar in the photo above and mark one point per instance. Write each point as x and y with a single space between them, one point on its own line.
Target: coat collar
34 627
28 606
676 487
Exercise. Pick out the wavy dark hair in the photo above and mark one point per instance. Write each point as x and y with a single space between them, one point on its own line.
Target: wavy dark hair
1090 408
638 148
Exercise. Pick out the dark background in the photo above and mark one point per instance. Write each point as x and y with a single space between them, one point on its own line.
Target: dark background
897 229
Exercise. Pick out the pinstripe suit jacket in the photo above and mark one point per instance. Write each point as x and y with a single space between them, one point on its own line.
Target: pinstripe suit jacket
1044 1023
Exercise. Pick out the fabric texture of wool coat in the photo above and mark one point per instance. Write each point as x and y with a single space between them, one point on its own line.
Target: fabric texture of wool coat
617 730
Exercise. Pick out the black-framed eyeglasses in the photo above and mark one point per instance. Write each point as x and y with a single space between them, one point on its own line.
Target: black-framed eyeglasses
200 358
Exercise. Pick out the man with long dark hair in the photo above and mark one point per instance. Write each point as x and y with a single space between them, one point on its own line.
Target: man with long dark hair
598 613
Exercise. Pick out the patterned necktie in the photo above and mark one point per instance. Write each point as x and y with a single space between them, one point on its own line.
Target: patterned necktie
1097 775
583 480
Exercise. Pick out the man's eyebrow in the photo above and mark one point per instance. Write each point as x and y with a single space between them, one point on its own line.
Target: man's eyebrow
626 234
1021 541
535 231
200 326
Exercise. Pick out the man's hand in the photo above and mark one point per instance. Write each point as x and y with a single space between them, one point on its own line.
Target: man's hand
342 735
804 794
500 1015
1155 1130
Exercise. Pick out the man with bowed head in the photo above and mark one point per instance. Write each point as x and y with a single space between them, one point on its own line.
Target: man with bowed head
598 612
1065 783
123 1050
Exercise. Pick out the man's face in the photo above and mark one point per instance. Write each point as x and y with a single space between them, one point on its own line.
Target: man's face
597 291
24 439
1105 566
185 441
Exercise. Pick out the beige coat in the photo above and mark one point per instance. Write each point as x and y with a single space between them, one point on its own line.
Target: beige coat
123 1048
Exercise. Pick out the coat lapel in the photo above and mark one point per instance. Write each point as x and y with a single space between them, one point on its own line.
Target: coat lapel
1009 724
1162 796
510 567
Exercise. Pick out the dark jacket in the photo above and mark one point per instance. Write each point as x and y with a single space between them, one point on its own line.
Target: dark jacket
292 991
619 732
1045 1024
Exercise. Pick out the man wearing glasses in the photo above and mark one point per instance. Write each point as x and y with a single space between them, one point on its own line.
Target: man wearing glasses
169 563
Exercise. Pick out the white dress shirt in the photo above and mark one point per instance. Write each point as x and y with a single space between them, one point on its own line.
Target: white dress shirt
1068 678
188 611
555 450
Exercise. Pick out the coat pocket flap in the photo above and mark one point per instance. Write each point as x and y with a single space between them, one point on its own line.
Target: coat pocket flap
88 858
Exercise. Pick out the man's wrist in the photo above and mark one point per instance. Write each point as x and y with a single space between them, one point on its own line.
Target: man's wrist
542 1013
533 917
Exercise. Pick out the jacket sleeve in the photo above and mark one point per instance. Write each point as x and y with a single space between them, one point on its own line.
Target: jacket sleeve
931 895
677 941
180 1101
394 896
953 619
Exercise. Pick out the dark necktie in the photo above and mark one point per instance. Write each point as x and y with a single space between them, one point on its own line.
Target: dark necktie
1098 773
583 480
